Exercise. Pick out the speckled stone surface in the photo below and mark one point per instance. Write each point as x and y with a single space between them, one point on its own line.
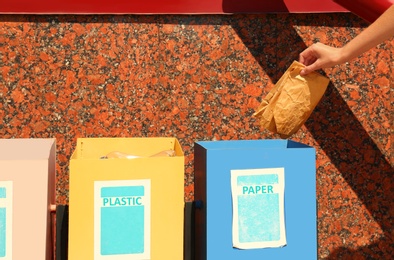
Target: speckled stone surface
201 78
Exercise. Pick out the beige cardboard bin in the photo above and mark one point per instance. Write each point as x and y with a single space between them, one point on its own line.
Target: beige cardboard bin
27 188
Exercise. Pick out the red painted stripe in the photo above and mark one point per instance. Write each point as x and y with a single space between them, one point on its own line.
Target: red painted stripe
369 10
166 6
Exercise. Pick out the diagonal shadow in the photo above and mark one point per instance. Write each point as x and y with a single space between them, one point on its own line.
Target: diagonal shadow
333 125
360 163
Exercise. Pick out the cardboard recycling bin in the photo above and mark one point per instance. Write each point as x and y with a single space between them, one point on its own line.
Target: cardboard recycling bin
256 199
27 189
127 206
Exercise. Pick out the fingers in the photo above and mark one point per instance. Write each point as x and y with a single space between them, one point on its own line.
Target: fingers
308 59
308 69
308 56
301 58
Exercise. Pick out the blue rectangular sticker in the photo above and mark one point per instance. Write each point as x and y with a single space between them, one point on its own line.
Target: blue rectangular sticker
258 208
122 219
6 197
3 229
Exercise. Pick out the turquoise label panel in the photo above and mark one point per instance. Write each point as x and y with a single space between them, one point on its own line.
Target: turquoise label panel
3 192
258 207
6 196
122 220
3 224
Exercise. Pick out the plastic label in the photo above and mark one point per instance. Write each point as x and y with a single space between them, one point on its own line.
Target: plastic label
122 219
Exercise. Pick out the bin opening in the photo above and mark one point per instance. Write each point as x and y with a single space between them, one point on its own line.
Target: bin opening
126 148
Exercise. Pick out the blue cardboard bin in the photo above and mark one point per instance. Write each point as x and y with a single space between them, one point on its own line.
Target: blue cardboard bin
268 173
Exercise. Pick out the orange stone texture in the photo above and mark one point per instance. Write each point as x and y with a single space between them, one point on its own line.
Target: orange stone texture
201 78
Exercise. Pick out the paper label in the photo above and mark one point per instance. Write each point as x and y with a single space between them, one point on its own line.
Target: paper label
122 220
258 208
6 195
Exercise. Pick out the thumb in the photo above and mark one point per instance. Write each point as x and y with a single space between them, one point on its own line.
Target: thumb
309 69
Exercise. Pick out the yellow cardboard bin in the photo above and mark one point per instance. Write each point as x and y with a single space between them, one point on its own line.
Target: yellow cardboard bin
126 199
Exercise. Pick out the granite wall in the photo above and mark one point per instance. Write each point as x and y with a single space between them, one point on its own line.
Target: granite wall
201 78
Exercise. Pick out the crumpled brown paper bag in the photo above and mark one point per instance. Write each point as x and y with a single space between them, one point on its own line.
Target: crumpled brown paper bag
290 103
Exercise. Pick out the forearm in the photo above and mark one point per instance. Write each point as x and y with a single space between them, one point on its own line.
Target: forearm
382 29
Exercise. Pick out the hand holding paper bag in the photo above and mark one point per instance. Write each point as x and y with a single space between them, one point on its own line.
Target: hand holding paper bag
290 103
